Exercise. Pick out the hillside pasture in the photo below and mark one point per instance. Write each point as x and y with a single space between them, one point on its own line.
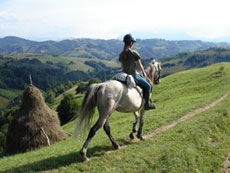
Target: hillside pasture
6 95
199 144
73 63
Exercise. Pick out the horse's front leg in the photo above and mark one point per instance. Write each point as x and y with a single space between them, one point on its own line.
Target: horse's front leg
134 130
139 133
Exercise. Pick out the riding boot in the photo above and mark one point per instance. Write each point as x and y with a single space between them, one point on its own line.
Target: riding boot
148 103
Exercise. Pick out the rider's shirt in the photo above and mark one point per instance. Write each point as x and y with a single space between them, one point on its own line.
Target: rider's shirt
128 61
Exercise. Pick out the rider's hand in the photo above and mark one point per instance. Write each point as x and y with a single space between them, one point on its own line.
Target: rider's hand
144 74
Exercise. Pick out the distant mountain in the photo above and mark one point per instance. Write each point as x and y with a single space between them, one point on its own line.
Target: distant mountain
173 34
163 34
102 49
14 44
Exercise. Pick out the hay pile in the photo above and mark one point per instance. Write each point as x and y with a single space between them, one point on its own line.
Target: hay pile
34 126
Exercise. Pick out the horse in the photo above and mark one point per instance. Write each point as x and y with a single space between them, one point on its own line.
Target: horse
111 96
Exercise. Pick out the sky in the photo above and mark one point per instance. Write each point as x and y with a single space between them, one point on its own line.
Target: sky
40 20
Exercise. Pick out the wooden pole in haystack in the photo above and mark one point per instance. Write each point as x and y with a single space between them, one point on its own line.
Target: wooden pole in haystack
30 79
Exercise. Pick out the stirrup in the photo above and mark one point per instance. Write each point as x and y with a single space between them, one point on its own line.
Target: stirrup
150 106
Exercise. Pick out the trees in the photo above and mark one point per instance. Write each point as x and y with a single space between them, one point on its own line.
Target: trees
82 86
5 118
50 98
93 80
67 109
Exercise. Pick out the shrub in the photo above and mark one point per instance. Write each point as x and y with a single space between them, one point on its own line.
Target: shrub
67 109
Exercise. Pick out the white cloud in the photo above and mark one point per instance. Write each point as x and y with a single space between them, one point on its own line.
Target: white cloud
111 18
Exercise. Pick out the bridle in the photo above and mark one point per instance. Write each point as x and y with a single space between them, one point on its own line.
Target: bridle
157 73
156 76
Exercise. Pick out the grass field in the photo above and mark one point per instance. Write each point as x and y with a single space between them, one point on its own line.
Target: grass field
7 95
199 144
77 63
3 102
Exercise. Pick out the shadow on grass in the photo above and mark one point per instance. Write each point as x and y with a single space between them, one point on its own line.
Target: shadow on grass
60 161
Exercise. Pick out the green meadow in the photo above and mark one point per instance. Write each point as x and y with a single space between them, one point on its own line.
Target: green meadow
7 95
73 63
200 144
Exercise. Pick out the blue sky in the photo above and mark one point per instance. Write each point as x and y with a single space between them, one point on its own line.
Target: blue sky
108 19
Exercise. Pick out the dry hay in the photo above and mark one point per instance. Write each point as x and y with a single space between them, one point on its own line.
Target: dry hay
34 126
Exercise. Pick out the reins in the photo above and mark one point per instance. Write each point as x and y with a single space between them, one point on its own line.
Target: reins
150 75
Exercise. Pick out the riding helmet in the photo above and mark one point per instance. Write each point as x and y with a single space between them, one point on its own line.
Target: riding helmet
129 38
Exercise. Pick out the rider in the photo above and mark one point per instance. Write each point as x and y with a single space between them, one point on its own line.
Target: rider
129 58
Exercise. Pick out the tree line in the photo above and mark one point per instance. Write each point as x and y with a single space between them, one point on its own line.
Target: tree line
15 74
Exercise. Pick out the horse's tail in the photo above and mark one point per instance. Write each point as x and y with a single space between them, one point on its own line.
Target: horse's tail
87 110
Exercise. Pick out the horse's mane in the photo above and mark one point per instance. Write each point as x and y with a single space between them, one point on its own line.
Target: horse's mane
150 73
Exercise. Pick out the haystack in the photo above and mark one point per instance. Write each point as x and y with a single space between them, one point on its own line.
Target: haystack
34 126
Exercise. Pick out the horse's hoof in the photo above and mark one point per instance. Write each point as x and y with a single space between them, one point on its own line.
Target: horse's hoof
131 136
140 137
116 147
85 159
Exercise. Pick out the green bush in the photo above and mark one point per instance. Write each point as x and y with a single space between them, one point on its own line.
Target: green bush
67 109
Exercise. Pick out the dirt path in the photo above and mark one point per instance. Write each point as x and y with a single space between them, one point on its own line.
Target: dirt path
186 117
173 124
71 89
226 168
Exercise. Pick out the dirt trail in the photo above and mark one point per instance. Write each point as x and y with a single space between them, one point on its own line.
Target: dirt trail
189 115
173 124
226 168
71 89
186 117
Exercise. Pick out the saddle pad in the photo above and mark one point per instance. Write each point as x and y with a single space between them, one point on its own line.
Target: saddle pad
125 78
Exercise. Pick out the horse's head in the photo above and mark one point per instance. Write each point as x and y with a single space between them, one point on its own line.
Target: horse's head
154 71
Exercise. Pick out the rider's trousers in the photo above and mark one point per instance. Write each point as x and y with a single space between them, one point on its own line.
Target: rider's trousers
144 84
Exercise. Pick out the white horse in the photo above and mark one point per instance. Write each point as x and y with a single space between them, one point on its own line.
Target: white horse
111 96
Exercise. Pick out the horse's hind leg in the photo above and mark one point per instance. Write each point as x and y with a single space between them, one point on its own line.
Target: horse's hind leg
100 122
107 131
131 135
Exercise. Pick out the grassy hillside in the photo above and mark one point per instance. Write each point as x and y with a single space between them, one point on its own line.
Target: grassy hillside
72 63
200 144
6 95
58 99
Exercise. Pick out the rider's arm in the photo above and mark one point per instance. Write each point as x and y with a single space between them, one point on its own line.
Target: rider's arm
141 67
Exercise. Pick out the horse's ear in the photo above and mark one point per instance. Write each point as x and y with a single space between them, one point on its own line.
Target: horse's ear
159 65
153 61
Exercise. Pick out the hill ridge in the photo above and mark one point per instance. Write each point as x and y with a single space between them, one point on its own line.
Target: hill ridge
102 49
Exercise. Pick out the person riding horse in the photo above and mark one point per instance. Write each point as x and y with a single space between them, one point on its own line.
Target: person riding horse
129 58
113 95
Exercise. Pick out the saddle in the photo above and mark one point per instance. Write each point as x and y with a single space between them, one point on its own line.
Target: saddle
126 79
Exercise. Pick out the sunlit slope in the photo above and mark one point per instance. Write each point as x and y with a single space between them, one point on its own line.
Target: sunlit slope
195 145
179 93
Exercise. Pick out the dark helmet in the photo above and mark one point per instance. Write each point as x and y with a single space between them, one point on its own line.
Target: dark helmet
129 38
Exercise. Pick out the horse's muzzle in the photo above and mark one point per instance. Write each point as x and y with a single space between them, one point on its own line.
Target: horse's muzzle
157 82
